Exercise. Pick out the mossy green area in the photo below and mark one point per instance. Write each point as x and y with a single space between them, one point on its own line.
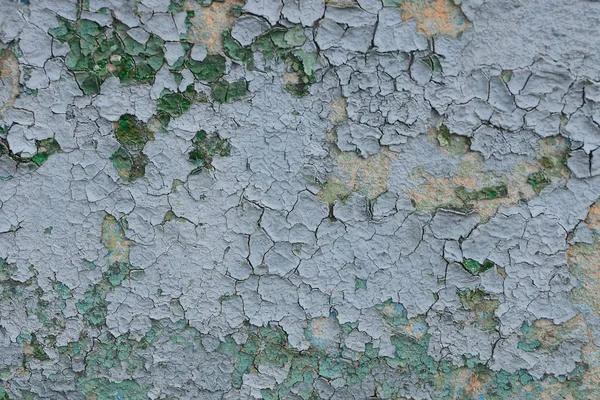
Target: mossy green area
103 354
32 347
334 189
97 53
132 133
172 105
482 306
475 267
128 160
206 146
9 286
506 75
487 193
13 289
452 143
104 389
538 180
45 148
551 164
433 62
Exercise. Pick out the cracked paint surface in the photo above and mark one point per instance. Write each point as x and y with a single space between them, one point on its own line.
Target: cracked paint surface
299 199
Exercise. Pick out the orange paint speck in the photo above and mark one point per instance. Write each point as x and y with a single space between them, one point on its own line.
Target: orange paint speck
435 17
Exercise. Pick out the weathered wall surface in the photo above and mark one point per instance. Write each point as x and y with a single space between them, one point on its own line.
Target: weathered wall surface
299 199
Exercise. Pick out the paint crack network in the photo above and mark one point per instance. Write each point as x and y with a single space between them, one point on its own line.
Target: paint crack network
299 199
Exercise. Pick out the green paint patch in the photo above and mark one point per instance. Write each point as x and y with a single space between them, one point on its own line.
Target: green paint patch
528 341
96 53
334 189
487 193
225 92
63 291
104 389
552 166
360 283
269 346
433 62
117 272
93 306
233 50
129 167
172 105
210 70
412 357
236 10
551 163
393 313
170 216
9 286
506 75
482 307
284 44
474 267
32 347
392 3
128 160
45 148
206 146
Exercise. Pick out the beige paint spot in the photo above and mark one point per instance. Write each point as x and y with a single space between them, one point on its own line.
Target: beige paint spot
474 385
9 79
368 176
290 78
593 217
584 263
435 17
113 239
342 3
552 335
337 111
209 23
